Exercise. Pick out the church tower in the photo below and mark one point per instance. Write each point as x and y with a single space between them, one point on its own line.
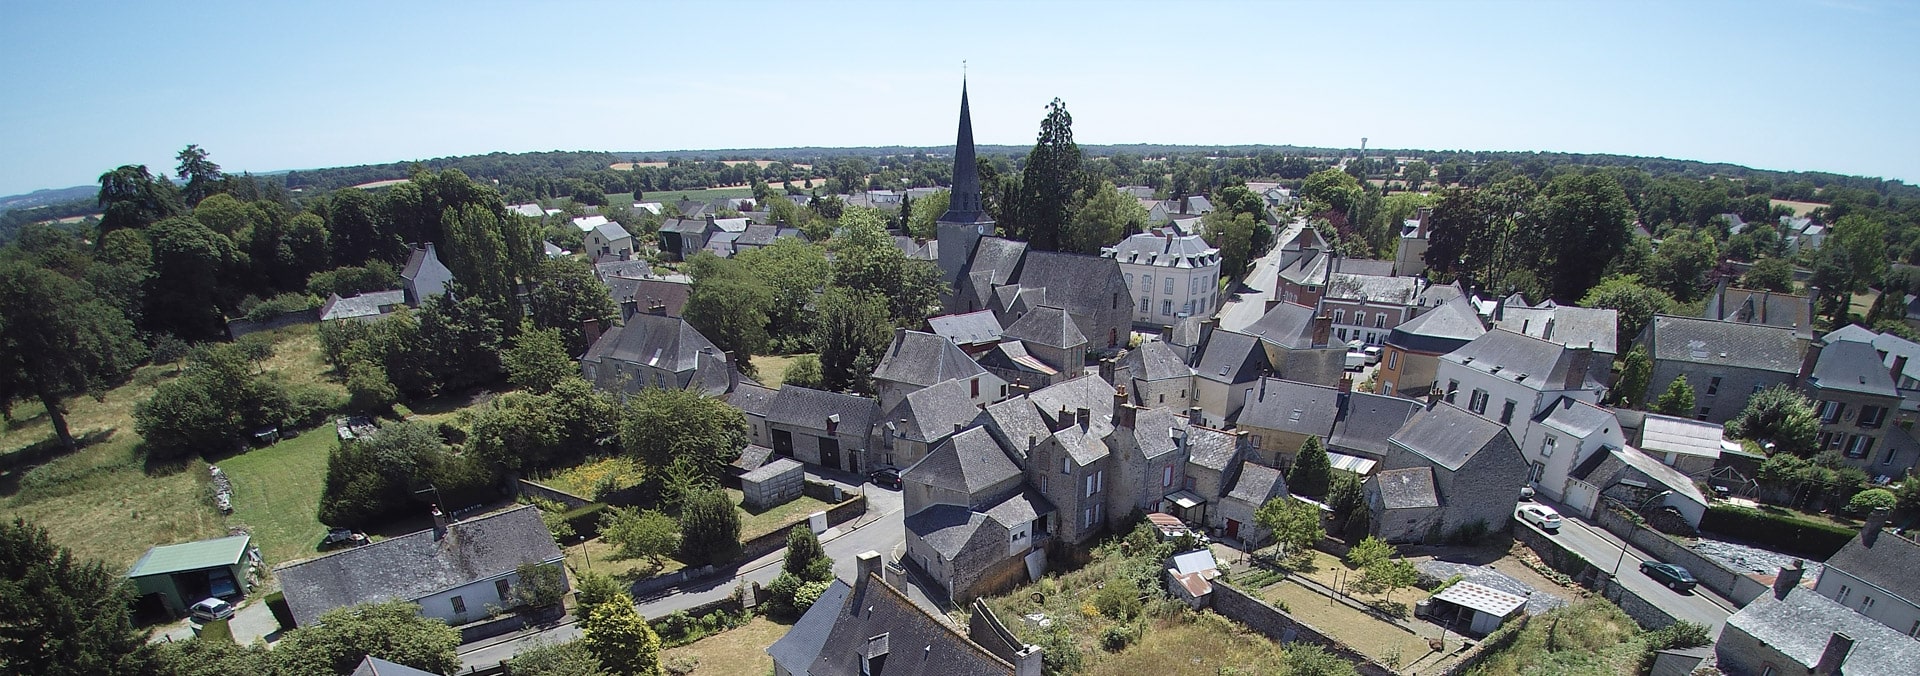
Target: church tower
965 222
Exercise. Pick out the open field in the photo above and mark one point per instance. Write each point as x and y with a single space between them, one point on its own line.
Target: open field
742 650
625 199
370 185
1378 639
630 166
597 555
1799 208
276 494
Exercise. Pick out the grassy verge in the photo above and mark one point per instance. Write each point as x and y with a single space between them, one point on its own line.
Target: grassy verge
742 650
597 555
1588 637
276 494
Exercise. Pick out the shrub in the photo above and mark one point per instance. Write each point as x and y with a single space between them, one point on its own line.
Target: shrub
1118 600
281 304
1872 499
1680 634
591 589
709 528
585 520
1115 638
1812 539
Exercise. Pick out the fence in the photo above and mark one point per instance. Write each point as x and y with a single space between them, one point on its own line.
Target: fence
1711 573
1276 624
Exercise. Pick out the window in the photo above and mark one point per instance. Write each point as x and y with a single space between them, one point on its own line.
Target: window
1866 602
1860 446
1092 516
501 587
1189 483
1506 412
1359 318
1380 321
1066 465
1166 308
1339 316
1546 446
1872 416
1094 480
1830 412
1713 386
1342 333
1256 441
1146 305
976 386
1478 402
1453 387
1129 280
1169 285
1703 413
459 605
1146 283
1844 590
1166 476
1393 360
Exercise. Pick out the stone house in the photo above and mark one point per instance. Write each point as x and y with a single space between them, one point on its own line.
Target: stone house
1178 275
609 240
923 419
657 351
1050 335
1878 575
972 524
1281 415
1229 364
1856 398
851 630
1508 377
1794 631
1256 485
1410 362
1750 306
917 360
1403 504
1214 460
424 276
1477 468
1299 344
826 429
1724 362
1155 375
754 403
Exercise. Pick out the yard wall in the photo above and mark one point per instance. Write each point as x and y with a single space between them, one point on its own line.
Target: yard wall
474 631
1711 573
549 493
1496 642
822 491
241 327
1558 557
848 509
1646 613
1276 624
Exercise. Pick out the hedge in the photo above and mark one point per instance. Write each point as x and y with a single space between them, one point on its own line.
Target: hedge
585 520
1813 539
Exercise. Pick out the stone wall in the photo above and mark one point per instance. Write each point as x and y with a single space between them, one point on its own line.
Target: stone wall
1558 557
570 500
240 327
773 541
1647 613
474 631
1711 573
1276 624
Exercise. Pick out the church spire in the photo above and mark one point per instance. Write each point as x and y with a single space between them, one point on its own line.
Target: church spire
963 205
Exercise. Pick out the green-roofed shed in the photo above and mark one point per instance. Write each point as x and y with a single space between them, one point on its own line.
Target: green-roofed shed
183 574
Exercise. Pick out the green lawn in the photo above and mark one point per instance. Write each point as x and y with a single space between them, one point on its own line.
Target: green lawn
755 525
771 370
276 494
742 650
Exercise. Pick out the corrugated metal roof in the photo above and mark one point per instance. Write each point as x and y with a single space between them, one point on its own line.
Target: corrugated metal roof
187 556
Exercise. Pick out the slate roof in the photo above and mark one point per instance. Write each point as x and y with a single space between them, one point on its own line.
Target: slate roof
1893 347
1085 446
878 618
1289 325
667 343
416 565
1186 332
684 225
1188 251
1258 484
363 305
374 666
1013 356
1093 394
1761 307
1211 448
1153 432
1410 488
919 358
587 223
1704 341
1447 435
188 556
1019 508
773 468
1853 332
1665 433
1046 325
1073 281
809 408
758 235
632 269
1659 472
1230 357
802 643
671 295
1580 418
1529 361
1565 324
422 258
967 462
753 457
972 328
1799 626
612 231
930 413
1153 361
1374 288
1289 406
948 529
1440 330
1366 422
1887 560
1014 422
1852 367
1309 269
733 225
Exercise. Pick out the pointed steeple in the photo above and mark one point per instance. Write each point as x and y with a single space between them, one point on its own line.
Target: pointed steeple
963 206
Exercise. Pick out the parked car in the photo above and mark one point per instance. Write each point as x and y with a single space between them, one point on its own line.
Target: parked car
1356 360
1541 515
342 537
209 610
886 476
1674 577
1373 354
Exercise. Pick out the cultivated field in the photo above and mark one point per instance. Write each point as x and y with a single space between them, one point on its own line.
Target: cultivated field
1799 208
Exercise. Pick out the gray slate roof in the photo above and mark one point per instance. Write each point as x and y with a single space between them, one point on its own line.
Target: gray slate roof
1440 330
1852 367
1186 332
915 643
1013 356
967 462
1887 561
930 413
1189 251
1046 325
1258 484
918 358
612 231
631 269
811 409
1410 488
1761 307
374 666
1073 281
948 529
1289 406
802 643
1529 361
1019 509
1211 448
1800 625
1093 394
667 343
1153 432
751 398
363 305
1704 341
753 457
1565 324
416 565
1231 357
684 225
1578 418
1447 435
645 293
1153 361
1015 422
1289 325
1367 421
1374 288
967 329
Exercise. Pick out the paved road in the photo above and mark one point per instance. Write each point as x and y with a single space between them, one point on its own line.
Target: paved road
880 529
1248 306
1603 550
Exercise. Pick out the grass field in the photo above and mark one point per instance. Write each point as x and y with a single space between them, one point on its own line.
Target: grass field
755 525
742 650
597 555
276 494
1799 208
1589 637
1379 640
625 199
771 371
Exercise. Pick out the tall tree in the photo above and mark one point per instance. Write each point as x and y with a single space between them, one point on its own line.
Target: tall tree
201 176
1048 181
728 304
794 270
1678 399
1782 416
1233 234
854 334
62 615
538 360
1295 524
1312 470
130 197
566 294
662 425
709 527
1635 371
394 631
616 634
1104 217
867 262
1635 302
1587 221
360 232
55 339
185 294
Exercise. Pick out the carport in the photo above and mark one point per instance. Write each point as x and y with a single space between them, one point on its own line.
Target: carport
183 574
1489 607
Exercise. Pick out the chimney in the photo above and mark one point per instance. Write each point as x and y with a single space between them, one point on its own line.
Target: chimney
899 338
1195 417
1813 306
1107 369
591 328
1433 396
1838 645
656 306
629 308
1065 420
1582 359
865 564
1899 368
1346 384
1083 416
1123 413
1546 332
1766 296
1811 358
1788 578
1207 328
1871 531
1322 329
733 375
440 523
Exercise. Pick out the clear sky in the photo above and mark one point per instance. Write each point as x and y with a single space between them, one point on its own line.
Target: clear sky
1787 84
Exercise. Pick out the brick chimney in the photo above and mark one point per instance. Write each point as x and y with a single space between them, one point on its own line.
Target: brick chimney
440 523
1788 578
1322 329
629 308
1346 384
865 565
1123 411
1108 367
1831 659
1871 531
591 328
656 306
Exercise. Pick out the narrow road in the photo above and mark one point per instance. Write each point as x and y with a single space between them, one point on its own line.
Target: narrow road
1248 306
1605 551
880 529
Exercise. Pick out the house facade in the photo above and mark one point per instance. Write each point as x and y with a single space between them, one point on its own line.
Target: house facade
1172 275
1877 575
1724 362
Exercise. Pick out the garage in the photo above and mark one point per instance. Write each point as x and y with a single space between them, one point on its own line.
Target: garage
170 578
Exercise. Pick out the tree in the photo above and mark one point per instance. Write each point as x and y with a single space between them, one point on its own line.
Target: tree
660 426
1678 400
1349 504
1872 499
566 295
1311 471
186 292
709 528
854 334
540 586
1295 524
804 371
638 534
131 198
201 175
208 656
63 615
1681 264
394 631
1636 303
571 658
927 212
460 335
1369 552
620 638
1048 181
1332 191
1416 173
729 306
1388 576
538 360
794 270
1781 415
56 338
866 261
805 557
1771 274
591 590
1635 372
368 389
1233 235
1105 216
214 406
1587 221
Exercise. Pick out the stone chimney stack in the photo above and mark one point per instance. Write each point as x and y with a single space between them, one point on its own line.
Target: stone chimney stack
440 523
865 565
1810 359
591 328
1123 411
1322 329
1577 365
1064 420
1871 531
1788 578
899 338
1899 368
1083 416
1831 659
1813 307
1108 368
733 371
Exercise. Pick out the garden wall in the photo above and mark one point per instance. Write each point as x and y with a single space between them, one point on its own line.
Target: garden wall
773 541
550 493
474 631
1276 624
1711 573
240 327
1560 558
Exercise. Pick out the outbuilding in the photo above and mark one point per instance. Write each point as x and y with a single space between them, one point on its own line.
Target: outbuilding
180 575
1489 607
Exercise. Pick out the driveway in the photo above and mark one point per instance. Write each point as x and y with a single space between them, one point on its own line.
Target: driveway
251 620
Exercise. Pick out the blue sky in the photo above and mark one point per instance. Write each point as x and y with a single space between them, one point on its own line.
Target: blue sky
1789 84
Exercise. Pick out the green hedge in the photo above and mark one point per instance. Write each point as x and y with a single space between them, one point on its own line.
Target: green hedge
1815 540
585 520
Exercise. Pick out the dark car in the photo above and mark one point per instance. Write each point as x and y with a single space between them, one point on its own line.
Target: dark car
342 537
1674 577
885 476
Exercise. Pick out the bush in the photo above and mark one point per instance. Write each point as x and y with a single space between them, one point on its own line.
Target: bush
585 520
1118 600
281 304
1812 539
1679 635
1115 638
1872 499
709 528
